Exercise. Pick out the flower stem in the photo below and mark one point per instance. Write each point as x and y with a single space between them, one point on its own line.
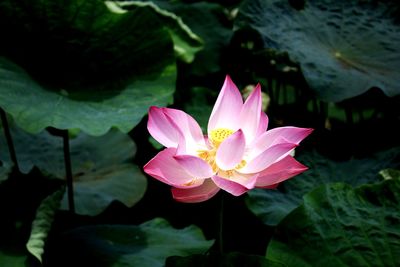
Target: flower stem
7 134
68 170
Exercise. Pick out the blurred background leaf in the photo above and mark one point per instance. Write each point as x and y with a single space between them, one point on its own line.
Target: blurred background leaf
79 65
102 167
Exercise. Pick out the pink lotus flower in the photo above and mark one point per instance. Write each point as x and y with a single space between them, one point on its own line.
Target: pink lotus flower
237 155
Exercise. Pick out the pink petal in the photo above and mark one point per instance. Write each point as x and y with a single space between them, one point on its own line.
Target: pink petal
263 125
166 169
161 128
195 166
289 133
268 157
229 186
279 172
246 180
227 108
250 114
196 194
189 128
231 150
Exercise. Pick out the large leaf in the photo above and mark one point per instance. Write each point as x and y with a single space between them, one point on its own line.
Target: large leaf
82 44
146 245
41 150
344 47
42 223
186 42
78 65
341 226
34 108
101 167
273 205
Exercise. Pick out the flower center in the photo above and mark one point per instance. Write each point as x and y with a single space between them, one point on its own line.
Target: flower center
217 136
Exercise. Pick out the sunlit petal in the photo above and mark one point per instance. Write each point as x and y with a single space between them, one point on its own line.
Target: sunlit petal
162 129
229 186
166 169
251 113
188 126
263 125
230 152
279 172
291 134
227 108
268 157
195 166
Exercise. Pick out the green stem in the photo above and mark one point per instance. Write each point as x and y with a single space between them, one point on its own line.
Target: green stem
7 134
68 170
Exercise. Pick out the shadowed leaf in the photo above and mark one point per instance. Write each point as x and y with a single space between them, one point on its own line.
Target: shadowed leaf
344 47
146 245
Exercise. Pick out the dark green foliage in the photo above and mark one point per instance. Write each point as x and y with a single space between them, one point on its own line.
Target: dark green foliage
81 45
341 226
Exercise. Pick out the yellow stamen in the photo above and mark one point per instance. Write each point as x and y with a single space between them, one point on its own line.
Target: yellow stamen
241 164
226 174
217 136
209 157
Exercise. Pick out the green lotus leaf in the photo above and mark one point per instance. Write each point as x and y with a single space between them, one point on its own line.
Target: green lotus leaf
341 226
101 166
344 47
146 245
186 42
79 65
34 108
207 21
40 150
94 192
81 45
42 223
273 205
